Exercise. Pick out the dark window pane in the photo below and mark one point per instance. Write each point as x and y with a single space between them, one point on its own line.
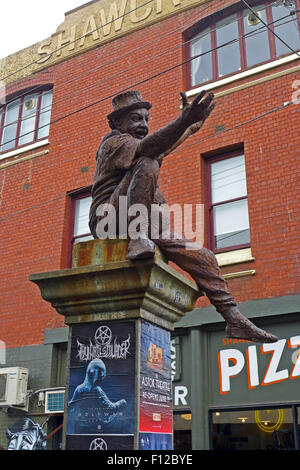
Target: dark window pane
288 31
253 430
201 67
228 56
182 425
257 44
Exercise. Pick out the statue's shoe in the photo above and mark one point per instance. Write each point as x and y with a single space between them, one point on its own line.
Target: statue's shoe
142 248
250 332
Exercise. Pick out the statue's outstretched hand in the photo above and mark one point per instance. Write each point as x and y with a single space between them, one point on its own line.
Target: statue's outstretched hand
199 109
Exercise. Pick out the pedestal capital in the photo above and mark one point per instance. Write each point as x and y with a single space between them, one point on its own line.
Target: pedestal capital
103 285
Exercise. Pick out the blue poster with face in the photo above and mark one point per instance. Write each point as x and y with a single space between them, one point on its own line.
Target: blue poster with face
102 379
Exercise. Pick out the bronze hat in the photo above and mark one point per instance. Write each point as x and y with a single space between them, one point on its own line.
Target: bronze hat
126 102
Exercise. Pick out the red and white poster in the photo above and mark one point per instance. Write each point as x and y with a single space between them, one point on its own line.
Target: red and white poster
155 381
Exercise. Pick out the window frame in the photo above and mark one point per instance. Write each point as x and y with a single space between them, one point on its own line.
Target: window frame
19 121
282 405
74 197
238 10
210 205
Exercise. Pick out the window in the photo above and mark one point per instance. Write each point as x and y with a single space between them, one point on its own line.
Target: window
80 231
182 426
227 202
247 41
25 120
259 429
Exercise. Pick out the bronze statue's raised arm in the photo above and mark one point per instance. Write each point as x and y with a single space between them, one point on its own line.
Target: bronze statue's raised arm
169 137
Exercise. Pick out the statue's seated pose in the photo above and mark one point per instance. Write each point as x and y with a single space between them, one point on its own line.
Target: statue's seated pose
128 164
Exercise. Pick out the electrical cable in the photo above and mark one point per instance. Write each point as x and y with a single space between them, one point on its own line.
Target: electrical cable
46 108
278 108
251 33
125 55
132 85
284 105
141 47
270 29
78 39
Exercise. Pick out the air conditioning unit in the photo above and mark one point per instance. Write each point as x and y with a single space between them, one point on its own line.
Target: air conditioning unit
55 401
13 386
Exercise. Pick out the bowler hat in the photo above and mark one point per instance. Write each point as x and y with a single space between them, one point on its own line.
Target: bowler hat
127 102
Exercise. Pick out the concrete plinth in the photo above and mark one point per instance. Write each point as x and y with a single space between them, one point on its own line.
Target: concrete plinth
120 315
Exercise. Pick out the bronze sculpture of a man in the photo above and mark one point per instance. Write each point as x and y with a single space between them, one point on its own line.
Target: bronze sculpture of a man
128 164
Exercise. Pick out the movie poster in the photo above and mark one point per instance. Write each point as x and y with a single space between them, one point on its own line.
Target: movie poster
102 381
155 386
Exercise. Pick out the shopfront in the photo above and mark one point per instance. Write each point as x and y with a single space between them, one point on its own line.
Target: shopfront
182 417
234 394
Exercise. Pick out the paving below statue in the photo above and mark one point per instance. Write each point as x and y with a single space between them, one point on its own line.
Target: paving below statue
128 165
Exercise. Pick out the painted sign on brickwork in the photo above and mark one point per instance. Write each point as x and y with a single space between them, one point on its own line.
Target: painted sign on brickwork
89 26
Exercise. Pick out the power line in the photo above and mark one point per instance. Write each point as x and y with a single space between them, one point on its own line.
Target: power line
133 85
121 57
78 39
142 46
256 31
250 34
46 108
270 29
278 108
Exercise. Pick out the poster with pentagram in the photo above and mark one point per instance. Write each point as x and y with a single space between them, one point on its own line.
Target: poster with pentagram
98 443
102 379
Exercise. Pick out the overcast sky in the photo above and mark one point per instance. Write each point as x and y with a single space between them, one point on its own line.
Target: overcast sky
25 22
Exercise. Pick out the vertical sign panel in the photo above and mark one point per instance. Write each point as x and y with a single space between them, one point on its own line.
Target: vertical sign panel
102 385
155 389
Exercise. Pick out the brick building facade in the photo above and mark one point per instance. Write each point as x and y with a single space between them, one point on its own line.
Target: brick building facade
42 179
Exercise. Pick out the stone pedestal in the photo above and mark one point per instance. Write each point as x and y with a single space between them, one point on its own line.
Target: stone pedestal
120 314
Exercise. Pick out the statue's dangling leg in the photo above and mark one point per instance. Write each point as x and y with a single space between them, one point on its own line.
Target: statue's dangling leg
202 265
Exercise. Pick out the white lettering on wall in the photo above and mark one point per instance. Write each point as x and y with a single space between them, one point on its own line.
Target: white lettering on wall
159 4
136 15
272 375
173 358
115 17
89 28
294 343
227 371
62 40
45 51
231 363
107 21
252 367
180 394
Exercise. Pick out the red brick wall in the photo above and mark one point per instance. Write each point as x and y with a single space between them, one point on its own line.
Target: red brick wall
34 221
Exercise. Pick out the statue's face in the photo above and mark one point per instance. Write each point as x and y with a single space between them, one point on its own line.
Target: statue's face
135 123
